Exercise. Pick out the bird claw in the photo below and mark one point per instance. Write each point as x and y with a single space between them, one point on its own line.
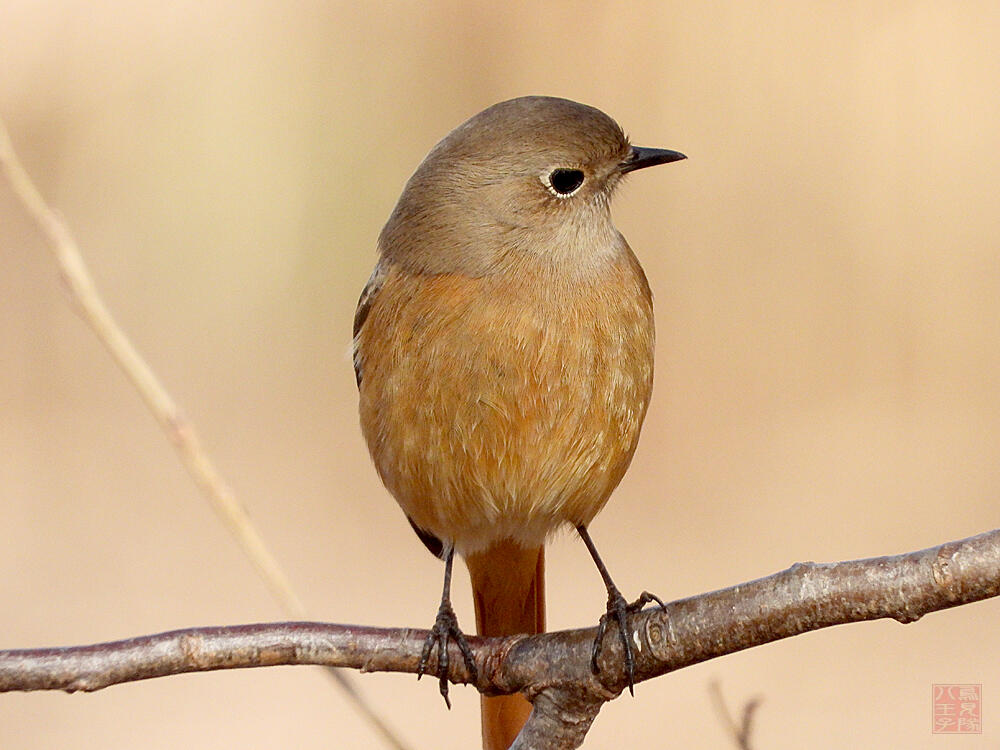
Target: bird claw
445 627
619 610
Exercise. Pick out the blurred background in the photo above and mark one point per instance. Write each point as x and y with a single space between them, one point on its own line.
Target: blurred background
826 268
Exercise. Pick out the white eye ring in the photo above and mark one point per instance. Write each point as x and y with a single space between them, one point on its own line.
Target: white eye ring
563 182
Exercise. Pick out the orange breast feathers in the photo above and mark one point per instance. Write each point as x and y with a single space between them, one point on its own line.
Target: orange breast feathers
503 406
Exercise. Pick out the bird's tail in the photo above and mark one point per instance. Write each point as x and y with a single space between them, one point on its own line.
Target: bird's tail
508 587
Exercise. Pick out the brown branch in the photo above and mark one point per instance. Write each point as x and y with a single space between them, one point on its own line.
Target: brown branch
179 430
553 669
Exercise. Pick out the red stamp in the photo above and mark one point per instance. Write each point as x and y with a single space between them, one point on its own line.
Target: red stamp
957 709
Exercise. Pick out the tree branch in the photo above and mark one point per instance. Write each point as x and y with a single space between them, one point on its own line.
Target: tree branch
553 669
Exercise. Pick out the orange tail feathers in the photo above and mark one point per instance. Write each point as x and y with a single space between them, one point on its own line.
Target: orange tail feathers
508 587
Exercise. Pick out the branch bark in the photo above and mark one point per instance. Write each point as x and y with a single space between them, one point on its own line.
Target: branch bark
553 669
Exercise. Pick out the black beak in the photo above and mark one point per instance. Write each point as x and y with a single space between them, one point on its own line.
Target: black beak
648 157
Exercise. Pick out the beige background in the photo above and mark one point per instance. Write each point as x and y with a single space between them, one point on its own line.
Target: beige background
826 272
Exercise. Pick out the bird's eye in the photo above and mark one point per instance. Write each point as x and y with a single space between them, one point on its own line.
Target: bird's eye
565 182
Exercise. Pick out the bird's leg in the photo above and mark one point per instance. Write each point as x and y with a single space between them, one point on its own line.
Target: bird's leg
445 627
619 610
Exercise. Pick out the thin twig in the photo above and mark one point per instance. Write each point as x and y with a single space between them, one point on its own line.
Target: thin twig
740 732
553 670
178 429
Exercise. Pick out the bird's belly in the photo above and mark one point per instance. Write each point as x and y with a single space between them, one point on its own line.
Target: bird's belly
505 420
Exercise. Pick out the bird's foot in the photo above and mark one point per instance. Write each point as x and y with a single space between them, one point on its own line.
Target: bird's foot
619 610
445 627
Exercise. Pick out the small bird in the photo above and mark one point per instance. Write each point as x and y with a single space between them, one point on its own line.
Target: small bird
503 349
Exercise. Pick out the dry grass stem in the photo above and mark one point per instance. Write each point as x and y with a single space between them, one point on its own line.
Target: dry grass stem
178 429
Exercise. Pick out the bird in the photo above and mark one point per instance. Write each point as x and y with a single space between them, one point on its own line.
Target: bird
503 351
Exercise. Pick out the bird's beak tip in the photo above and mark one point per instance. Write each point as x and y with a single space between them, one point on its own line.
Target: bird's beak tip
649 157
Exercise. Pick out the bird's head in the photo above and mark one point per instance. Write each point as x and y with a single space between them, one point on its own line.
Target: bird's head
529 176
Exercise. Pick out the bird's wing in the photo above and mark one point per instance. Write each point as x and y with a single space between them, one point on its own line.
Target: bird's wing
368 295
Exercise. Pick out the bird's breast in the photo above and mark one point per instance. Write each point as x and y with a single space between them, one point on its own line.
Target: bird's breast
505 405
